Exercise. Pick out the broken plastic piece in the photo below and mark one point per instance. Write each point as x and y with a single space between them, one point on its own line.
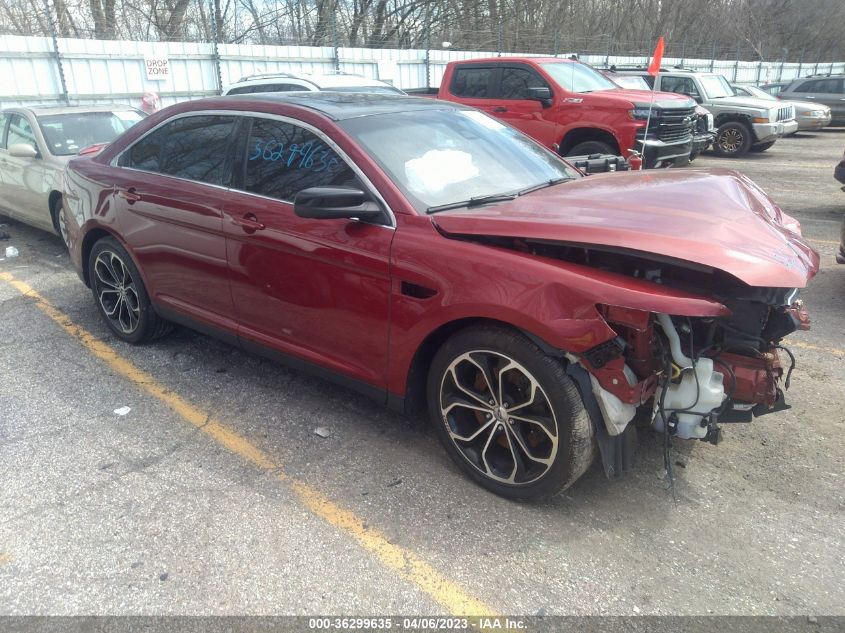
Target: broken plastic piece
122 410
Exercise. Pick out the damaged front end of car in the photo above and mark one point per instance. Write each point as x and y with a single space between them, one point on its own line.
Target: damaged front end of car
690 277
685 376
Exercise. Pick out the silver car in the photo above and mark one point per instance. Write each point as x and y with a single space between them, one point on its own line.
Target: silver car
35 145
810 116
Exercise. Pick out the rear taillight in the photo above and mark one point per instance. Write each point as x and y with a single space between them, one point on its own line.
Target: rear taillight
92 149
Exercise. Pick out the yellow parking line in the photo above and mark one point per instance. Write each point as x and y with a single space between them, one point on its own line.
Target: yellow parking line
830 350
402 561
812 239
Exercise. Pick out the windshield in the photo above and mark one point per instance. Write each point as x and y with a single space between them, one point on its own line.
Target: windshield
66 134
716 86
442 157
376 90
576 77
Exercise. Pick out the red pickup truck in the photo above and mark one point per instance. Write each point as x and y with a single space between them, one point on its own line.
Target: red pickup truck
573 109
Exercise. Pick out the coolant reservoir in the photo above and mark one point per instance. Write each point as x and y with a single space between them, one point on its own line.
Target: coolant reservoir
710 393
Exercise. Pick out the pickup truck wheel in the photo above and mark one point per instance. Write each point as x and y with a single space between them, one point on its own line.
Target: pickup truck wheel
120 294
762 147
508 413
732 140
591 147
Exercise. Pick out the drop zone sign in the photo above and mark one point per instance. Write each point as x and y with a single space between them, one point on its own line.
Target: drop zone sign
158 68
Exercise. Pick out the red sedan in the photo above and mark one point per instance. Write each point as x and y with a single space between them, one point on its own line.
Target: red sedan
433 257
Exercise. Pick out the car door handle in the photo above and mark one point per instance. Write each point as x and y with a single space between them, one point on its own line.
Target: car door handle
249 223
500 109
129 194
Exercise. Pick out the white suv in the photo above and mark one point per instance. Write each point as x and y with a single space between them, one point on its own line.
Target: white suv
287 82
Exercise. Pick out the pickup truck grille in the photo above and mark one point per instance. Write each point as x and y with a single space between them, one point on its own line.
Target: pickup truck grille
786 114
672 126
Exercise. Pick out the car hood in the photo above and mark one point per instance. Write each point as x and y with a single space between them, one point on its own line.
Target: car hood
716 218
745 102
641 98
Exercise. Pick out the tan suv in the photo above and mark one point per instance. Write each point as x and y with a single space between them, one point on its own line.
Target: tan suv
35 145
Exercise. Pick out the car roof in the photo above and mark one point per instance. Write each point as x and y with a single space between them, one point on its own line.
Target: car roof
342 105
46 110
501 60
324 82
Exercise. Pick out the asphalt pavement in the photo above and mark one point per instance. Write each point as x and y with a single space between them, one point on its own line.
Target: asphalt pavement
214 495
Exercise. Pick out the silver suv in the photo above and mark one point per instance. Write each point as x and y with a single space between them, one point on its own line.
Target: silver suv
743 123
293 82
826 90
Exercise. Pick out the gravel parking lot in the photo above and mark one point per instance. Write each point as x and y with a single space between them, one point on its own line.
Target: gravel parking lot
214 495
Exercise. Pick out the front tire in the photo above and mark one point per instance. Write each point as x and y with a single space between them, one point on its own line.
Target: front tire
733 139
120 294
588 148
508 413
762 147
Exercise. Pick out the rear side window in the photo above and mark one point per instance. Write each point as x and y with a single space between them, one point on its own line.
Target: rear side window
244 90
195 148
266 88
282 159
472 82
515 83
821 86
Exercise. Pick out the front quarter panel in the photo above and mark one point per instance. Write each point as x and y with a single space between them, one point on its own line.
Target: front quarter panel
552 300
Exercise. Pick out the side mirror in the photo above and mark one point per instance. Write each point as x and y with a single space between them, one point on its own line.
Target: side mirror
696 98
332 203
23 150
543 95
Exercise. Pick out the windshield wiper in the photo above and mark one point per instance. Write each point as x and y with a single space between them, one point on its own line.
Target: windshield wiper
476 201
543 185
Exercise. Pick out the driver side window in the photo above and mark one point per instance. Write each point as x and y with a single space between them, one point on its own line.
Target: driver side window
515 82
20 131
681 85
282 159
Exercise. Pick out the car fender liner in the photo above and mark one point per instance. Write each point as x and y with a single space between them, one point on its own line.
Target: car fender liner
617 451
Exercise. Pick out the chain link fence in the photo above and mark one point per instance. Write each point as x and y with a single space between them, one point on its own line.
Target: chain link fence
73 53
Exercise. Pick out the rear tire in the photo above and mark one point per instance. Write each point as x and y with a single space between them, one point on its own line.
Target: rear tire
733 139
57 215
762 147
120 294
591 147
536 437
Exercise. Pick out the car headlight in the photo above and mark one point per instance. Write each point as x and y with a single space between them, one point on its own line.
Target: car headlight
641 113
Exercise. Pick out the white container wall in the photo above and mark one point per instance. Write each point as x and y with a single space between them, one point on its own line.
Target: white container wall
106 71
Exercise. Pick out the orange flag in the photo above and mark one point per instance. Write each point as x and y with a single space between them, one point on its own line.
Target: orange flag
656 59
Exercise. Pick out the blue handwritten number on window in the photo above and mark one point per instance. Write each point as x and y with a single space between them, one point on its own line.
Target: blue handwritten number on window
310 155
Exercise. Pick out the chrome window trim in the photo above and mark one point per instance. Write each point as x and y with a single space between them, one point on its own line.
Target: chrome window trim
262 115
